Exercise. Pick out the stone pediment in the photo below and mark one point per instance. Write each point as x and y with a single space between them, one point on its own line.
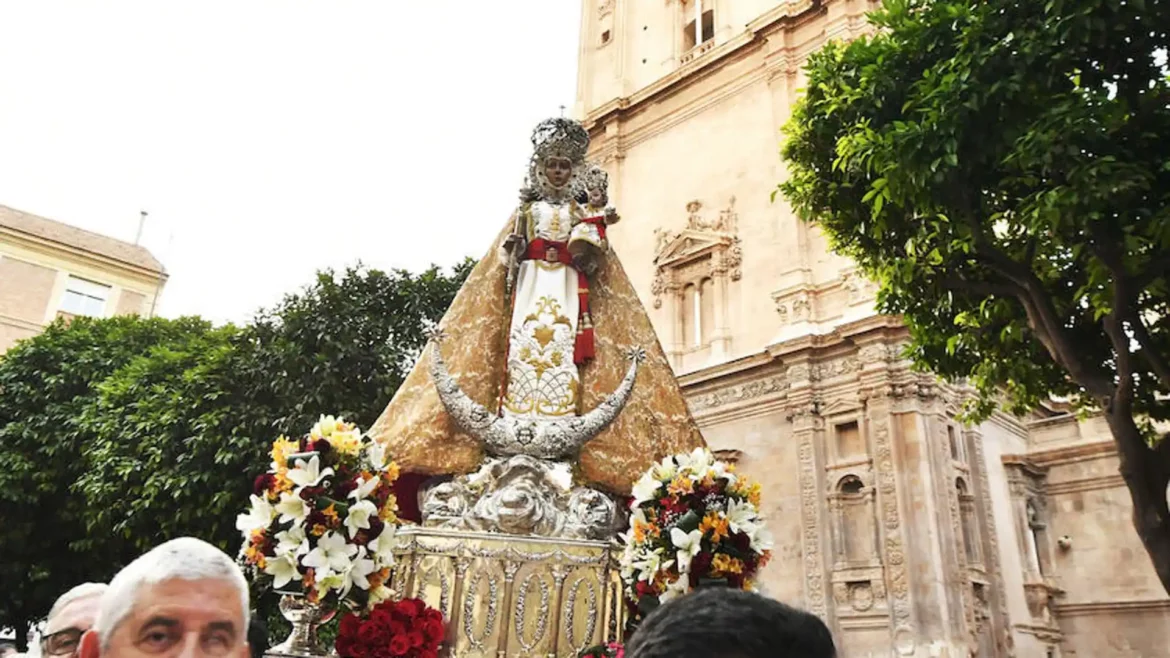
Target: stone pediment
690 244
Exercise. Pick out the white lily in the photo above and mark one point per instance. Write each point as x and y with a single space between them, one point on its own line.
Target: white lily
365 487
258 517
358 574
328 580
719 470
283 569
762 541
292 542
382 546
680 586
376 453
325 426
333 553
359 517
665 470
292 508
379 594
742 516
687 544
646 488
648 565
308 474
697 463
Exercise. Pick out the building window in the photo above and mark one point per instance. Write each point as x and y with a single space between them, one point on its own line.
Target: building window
83 297
708 26
855 538
1037 540
849 441
968 523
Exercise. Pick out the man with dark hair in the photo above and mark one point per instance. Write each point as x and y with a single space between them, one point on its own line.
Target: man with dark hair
727 623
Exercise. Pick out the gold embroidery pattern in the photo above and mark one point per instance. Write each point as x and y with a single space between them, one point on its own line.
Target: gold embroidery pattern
542 378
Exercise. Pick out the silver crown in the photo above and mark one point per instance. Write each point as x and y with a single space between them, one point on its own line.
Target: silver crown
594 178
560 138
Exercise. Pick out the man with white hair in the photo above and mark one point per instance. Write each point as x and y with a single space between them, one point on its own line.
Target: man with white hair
71 616
182 598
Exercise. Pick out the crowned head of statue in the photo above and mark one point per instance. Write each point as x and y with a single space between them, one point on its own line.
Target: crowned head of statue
558 160
595 182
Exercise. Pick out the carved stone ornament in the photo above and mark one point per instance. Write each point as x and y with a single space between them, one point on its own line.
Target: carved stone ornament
520 495
604 7
795 306
709 246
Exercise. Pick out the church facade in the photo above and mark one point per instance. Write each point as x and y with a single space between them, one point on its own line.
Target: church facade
908 532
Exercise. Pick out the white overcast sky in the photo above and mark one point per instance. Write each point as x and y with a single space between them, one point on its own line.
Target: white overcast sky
269 139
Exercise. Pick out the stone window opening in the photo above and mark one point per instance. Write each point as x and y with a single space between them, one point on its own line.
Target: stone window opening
967 523
692 38
955 440
849 442
854 537
1037 540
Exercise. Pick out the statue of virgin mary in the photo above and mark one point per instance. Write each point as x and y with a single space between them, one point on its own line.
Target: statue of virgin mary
535 359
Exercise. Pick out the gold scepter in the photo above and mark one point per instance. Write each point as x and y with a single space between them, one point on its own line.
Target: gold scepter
515 254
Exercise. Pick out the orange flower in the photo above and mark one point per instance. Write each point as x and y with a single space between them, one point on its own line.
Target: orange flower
330 513
309 579
725 564
765 558
378 577
642 530
681 485
716 525
318 529
391 473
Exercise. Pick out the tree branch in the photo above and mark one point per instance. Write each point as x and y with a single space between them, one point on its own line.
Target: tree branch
1156 360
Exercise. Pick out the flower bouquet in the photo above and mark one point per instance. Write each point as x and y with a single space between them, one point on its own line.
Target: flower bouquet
694 522
403 629
321 521
611 650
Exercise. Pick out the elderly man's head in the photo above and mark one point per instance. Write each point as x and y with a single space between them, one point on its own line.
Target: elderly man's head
71 616
183 598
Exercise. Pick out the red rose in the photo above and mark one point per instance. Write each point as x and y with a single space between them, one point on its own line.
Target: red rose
397 628
434 629
416 639
322 446
349 626
410 608
431 613
741 542
376 527
399 645
428 653
369 633
383 618
262 483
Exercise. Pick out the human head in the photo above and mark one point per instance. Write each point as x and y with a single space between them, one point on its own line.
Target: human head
70 617
596 183
728 623
184 597
558 153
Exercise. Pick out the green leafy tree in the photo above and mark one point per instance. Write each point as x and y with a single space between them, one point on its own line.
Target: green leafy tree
45 385
1002 169
164 438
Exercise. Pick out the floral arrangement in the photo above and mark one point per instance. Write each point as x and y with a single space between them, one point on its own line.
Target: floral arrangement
321 521
693 522
403 629
611 650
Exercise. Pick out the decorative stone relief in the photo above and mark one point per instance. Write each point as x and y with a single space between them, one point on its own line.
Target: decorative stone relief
604 7
895 556
858 289
793 306
739 393
708 247
804 421
1003 636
